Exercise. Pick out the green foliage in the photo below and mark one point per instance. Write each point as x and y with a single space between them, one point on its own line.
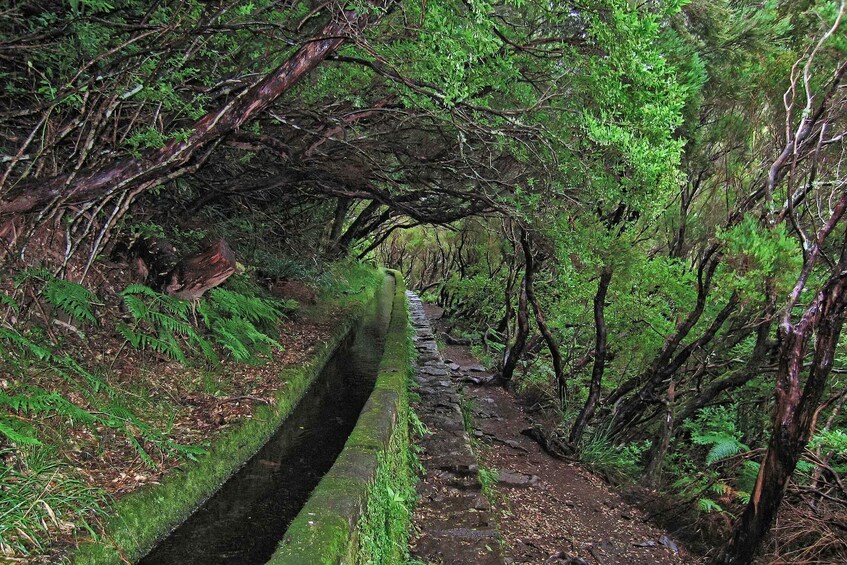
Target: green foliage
746 479
715 428
832 444
233 319
42 497
159 321
708 505
488 481
756 253
832 440
235 322
148 138
385 528
418 427
71 298
620 463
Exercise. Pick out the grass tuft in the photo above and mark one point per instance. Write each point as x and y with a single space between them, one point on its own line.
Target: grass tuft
42 499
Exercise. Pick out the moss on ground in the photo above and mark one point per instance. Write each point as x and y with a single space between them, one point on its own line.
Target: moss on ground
142 518
360 511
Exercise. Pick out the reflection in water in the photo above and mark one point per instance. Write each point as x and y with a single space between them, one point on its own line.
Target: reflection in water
243 522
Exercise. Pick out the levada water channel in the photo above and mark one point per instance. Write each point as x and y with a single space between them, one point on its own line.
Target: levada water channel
243 522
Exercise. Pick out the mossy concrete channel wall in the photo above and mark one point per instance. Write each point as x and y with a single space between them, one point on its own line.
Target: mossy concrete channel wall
358 512
142 518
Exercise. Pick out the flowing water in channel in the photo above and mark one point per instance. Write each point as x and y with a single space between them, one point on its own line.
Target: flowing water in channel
243 522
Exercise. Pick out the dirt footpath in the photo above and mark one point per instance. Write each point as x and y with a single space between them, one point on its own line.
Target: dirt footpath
551 511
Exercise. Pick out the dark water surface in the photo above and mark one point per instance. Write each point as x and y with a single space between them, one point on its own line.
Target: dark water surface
243 522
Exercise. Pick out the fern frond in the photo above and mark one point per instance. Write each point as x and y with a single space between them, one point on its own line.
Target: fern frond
708 505
230 341
136 288
727 446
257 310
747 475
30 273
720 488
145 457
136 306
7 300
205 347
14 338
71 298
131 336
15 433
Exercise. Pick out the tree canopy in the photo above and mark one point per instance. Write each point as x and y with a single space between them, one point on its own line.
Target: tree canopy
635 207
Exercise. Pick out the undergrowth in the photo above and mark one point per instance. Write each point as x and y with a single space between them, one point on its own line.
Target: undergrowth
620 464
43 499
238 323
52 387
384 531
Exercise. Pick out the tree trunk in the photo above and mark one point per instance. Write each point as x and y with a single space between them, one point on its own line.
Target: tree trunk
342 206
365 222
599 357
796 405
515 351
558 367
793 422
656 458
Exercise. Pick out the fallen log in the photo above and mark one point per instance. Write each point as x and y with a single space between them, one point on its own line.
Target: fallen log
196 274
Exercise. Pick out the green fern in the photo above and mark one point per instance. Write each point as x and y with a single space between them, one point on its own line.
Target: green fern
160 323
10 302
715 428
233 318
22 355
71 298
708 505
15 342
16 432
747 475
723 446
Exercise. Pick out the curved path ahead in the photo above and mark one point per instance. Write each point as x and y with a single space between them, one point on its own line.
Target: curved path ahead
547 511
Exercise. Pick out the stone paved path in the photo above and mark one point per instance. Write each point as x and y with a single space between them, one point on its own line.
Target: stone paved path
453 521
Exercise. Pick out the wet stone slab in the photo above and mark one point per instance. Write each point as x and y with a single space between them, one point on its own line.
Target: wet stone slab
452 519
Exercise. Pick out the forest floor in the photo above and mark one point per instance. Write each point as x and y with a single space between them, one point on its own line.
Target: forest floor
551 511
